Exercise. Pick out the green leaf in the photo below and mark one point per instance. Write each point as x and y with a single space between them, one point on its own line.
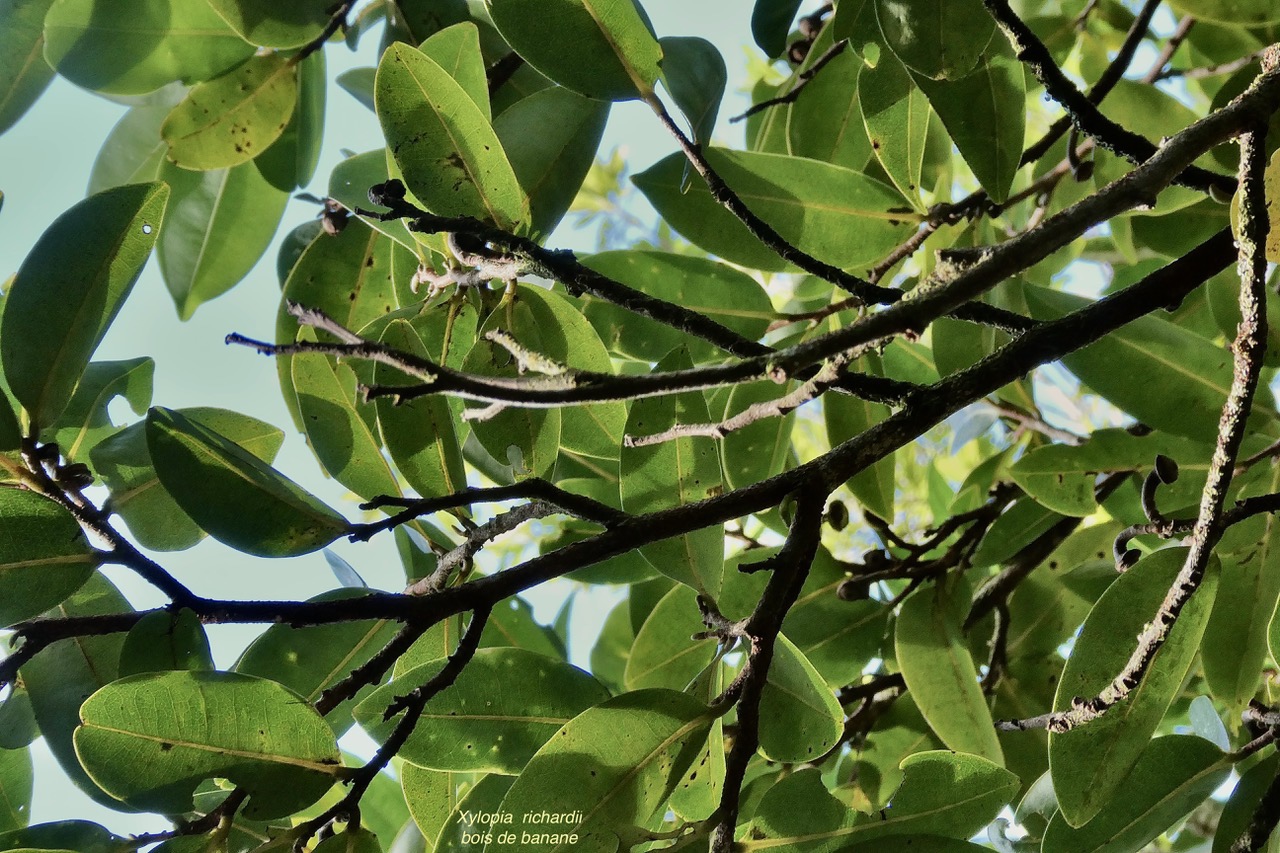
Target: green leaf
941 39
312 658
432 797
86 421
615 56
134 48
835 214
124 464
761 449
457 50
233 118
1244 800
236 497
419 433
800 718
64 674
149 740
771 24
350 841
22 66
720 292
219 224
695 74
470 727
340 429
827 123
164 641
270 24
939 671
450 156
1173 775
68 836
1174 380
895 113
675 473
1017 527
133 151
1236 13
847 416
799 815
15 788
551 139
664 653
624 758
464 831
349 183
69 289
984 113
10 429
17 721
1091 762
44 557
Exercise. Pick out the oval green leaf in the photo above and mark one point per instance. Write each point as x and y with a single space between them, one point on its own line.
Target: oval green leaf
23 70
271 24
941 39
44 557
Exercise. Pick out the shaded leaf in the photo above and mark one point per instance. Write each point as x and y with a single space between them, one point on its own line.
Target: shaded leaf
271 24
23 70
694 73
164 641
800 718
86 421
941 39
43 555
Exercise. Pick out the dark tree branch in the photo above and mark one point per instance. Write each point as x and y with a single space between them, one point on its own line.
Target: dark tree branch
338 20
802 80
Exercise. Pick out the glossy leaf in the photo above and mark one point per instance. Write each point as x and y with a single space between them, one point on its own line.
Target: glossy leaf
675 473
123 461
895 113
940 672
234 496
450 156
69 289
469 727
941 39
836 203
233 118
22 66
1090 763
134 48
180 728
624 756
726 295
984 114
615 55
1173 775
220 223
694 73
270 24
551 138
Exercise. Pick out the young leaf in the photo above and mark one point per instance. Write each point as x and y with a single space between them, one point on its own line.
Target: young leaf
23 70
469 727
135 48
939 670
239 499
551 138
615 764
845 218
149 740
674 473
443 143
615 56
220 223
1091 762
69 289
232 119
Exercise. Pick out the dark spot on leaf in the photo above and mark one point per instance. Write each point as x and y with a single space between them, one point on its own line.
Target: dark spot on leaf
165 746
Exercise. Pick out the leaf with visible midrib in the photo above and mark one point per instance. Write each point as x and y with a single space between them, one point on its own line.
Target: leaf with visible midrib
151 739
69 289
236 497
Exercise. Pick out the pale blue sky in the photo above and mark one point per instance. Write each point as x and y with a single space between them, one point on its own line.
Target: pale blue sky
44 169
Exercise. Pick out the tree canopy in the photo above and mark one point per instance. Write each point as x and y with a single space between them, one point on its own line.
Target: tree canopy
925 432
